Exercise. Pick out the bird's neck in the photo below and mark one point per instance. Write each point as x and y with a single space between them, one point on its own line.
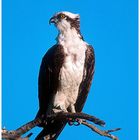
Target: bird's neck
69 36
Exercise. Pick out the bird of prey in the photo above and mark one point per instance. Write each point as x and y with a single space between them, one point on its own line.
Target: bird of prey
66 72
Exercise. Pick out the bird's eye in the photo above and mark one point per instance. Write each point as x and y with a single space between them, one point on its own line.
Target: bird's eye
62 16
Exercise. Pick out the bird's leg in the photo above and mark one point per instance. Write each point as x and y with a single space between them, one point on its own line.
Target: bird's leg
59 109
72 108
76 121
70 120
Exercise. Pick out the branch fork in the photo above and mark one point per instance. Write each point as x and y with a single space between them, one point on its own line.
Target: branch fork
17 134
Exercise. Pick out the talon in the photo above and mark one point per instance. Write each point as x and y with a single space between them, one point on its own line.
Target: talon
78 122
70 121
75 122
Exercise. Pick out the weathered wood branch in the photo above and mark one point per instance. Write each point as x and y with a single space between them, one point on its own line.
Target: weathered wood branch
17 134
102 132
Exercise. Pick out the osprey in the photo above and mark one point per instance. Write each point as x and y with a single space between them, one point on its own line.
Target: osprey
65 73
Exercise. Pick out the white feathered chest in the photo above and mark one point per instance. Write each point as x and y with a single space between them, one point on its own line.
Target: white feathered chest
71 73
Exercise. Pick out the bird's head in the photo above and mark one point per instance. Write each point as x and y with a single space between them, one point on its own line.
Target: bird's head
65 21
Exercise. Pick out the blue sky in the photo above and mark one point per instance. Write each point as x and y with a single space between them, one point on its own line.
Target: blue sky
109 25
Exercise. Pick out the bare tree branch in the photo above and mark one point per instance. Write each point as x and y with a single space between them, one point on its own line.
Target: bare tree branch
102 132
80 115
17 134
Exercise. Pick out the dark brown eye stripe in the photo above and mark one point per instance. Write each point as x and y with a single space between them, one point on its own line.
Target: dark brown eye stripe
75 23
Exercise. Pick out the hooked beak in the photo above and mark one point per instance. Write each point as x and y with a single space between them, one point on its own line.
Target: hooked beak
53 20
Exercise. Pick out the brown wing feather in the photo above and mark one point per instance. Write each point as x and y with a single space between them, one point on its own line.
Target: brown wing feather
87 79
48 83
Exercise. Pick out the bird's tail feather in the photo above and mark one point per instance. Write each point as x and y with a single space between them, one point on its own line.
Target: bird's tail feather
52 130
